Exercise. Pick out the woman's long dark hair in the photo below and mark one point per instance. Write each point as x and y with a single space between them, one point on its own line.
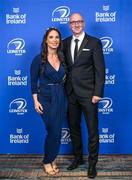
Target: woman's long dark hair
44 52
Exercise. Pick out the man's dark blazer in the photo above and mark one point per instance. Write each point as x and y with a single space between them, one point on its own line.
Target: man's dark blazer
87 74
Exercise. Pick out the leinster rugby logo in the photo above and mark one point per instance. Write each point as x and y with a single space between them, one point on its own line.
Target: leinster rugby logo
65 136
107 44
16 46
106 102
61 14
105 105
18 106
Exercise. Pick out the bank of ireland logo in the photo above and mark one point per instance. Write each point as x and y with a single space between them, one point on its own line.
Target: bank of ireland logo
16 46
65 136
105 130
17 72
18 106
17 79
105 105
16 17
107 43
109 78
106 137
105 16
61 14
18 137
19 130
106 8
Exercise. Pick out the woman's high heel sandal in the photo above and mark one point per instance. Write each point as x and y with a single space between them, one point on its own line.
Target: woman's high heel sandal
55 168
49 169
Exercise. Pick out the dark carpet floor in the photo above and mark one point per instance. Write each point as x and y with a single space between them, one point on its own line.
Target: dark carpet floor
24 167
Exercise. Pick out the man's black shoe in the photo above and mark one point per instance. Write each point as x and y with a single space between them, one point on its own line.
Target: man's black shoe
75 164
92 173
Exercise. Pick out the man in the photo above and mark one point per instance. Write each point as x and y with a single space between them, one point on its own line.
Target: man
85 82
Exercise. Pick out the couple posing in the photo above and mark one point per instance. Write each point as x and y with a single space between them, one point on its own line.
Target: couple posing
80 68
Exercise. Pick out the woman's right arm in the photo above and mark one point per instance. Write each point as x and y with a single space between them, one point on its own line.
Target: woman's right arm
34 77
38 107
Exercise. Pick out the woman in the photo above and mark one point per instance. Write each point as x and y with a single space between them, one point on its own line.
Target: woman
48 72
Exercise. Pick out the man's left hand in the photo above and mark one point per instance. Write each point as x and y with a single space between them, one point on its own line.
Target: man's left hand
95 99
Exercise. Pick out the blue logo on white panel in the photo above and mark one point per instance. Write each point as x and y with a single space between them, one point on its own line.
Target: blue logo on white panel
18 106
16 47
65 136
61 14
107 43
105 105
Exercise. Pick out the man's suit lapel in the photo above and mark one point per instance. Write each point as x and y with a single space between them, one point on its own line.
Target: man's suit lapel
84 42
69 50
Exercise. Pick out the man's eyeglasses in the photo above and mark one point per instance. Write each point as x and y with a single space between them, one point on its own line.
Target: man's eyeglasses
76 22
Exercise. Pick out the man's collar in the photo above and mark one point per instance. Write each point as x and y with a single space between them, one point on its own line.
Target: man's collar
80 38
